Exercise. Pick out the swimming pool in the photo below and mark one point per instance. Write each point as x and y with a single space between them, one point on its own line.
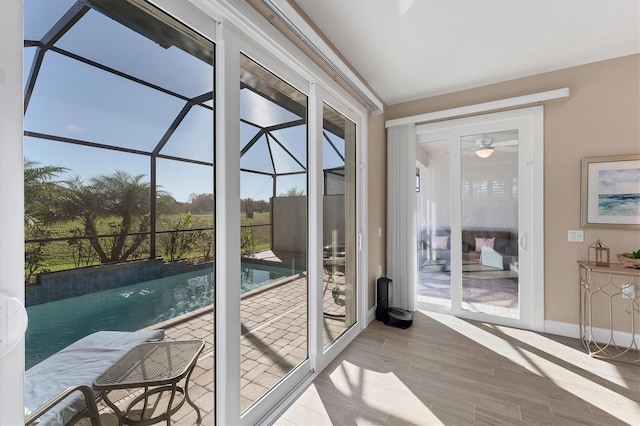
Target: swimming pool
55 325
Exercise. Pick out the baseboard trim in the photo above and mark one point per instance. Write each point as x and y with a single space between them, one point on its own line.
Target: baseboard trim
600 335
371 315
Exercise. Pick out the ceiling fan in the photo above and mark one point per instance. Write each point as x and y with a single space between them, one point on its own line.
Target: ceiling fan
484 146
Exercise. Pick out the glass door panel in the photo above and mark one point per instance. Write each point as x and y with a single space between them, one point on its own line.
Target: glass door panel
339 224
433 200
489 223
496 266
274 224
119 185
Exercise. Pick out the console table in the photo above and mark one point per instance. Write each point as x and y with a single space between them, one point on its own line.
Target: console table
157 367
616 291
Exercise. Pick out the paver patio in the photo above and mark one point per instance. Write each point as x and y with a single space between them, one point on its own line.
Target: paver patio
273 342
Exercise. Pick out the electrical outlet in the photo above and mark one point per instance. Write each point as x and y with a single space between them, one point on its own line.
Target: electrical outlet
629 291
576 236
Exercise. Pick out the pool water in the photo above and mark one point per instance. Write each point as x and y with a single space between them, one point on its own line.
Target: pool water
55 325
254 276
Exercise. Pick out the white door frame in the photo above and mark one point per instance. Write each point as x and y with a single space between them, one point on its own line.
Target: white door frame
323 355
234 44
12 196
234 37
531 207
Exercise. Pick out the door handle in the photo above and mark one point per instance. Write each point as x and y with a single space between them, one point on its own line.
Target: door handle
13 323
522 241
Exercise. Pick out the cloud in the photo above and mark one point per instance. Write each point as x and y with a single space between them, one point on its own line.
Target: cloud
625 181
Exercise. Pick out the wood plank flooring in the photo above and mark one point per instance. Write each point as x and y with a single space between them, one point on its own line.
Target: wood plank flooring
444 370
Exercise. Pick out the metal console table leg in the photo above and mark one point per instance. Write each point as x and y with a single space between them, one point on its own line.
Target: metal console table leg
607 296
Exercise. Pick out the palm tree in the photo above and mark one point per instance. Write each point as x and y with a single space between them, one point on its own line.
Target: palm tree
40 191
119 195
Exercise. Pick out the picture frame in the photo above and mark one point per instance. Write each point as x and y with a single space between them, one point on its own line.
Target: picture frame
610 192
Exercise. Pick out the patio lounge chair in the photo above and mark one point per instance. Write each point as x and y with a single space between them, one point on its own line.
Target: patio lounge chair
58 390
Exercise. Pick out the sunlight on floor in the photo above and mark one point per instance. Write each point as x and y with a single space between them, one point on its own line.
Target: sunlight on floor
364 389
547 358
370 387
606 370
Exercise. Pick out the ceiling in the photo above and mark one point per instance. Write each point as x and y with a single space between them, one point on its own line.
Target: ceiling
411 49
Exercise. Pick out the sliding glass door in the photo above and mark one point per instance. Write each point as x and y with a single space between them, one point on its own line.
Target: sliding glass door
489 220
273 230
339 250
119 190
298 233
172 182
479 217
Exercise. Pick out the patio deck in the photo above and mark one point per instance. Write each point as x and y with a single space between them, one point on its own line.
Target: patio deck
273 342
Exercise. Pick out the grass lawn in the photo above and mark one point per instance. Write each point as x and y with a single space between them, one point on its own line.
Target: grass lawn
69 254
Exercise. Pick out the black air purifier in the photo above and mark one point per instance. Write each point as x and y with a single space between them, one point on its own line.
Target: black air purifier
394 317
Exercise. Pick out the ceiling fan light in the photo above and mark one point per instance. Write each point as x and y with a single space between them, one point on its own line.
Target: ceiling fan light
484 153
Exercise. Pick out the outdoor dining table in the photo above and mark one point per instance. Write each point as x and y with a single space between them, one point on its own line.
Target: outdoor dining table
157 367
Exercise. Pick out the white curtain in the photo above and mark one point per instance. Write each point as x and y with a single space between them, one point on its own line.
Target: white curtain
401 215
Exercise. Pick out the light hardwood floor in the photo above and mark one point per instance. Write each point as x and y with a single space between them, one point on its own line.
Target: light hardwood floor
444 370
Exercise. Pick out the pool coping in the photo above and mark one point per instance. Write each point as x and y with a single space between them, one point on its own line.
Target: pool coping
171 322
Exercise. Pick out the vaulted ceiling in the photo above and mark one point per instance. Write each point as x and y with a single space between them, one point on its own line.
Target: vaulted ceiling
411 49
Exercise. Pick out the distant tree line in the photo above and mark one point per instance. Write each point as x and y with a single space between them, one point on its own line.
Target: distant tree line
248 205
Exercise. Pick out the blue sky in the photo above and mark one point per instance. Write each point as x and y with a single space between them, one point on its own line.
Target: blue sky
78 101
620 181
74 100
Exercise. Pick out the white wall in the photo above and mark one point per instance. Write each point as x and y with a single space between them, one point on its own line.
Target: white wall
289 222
433 201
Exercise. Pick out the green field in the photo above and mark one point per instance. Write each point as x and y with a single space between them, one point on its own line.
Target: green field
197 244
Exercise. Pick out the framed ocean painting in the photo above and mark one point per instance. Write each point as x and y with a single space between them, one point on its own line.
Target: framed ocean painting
610 192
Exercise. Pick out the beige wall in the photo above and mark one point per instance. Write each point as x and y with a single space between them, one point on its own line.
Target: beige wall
602 117
376 200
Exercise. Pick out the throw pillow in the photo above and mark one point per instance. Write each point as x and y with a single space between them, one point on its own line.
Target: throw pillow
484 242
439 242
